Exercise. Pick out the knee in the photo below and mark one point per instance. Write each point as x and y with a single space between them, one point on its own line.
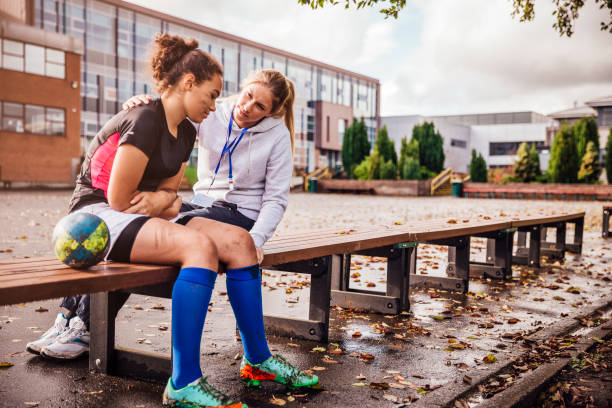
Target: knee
202 245
244 240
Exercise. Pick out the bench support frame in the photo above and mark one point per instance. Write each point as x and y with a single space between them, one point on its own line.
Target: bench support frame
605 227
457 271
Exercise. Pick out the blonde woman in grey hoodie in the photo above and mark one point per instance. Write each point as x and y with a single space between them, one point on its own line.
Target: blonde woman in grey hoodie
244 174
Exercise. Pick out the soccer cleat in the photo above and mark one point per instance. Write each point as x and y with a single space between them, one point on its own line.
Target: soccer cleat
60 325
277 369
198 394
72 343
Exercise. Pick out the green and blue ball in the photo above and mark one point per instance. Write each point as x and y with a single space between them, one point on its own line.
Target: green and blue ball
81 240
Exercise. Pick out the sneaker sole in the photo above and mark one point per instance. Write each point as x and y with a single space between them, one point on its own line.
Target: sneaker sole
54 358
31 350
256 383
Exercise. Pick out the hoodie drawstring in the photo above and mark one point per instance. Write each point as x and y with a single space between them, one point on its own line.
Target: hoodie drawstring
250 140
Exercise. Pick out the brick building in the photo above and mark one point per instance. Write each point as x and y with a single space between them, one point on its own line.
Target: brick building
40 102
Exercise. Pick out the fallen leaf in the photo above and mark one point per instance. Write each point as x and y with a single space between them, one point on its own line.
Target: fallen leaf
379 385
359 384
317 368
356 334
277 401
5 365
41 309
467 379
489 359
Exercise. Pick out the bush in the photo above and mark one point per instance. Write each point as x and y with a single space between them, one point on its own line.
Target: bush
478 168
590 168
388 170
431 152
411 170
355 146
527 167
585 131
427 174
192 175
362 170
385 146
409 151
563 165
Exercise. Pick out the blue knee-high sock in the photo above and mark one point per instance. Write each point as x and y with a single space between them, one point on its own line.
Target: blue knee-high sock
190 299
244 292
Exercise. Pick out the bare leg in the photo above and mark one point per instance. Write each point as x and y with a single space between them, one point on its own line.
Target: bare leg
163 242
235 246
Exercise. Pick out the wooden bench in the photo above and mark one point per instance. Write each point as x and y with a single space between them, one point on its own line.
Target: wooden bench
605 224
324 254
538 193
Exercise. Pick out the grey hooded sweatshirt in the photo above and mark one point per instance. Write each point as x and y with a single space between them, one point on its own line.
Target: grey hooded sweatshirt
261 168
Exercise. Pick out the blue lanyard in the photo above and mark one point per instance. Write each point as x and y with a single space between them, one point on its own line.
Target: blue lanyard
229 148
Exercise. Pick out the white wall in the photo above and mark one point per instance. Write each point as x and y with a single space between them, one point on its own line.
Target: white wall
482 135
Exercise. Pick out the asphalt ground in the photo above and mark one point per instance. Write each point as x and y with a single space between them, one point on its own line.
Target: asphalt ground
450 350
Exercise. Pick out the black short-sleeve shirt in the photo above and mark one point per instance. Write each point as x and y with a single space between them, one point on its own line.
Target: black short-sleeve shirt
144 127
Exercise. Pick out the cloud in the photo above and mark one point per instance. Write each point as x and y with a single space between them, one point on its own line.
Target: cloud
473 57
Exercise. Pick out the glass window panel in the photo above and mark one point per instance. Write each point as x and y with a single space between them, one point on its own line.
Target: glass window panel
55 56
55 70
13 47
12 124
34 119
11 62
34 59
12 109
55 128
55 114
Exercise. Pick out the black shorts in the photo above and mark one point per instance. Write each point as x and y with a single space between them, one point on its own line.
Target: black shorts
221 211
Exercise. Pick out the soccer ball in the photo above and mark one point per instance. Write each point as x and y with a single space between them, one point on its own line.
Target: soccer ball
81 240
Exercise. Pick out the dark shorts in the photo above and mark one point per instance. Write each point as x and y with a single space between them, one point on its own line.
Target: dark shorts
219 211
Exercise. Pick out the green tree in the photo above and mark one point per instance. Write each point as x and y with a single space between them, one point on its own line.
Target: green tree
609 158
585 131
362 170
408 165
527 167
386 146
431 152
411 169
565 12
348 151
563 164
361 144
590 168
388 170
478 168
355 146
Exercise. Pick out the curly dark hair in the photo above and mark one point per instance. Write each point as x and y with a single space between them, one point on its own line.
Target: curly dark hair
175 56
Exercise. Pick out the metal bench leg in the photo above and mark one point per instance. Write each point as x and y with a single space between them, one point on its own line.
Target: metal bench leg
576 246
498 263
458 268
522 252
389 303
534 246
554 250
605 230
104 307
316 327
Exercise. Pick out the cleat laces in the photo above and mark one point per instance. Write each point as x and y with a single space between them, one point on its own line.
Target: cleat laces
212 391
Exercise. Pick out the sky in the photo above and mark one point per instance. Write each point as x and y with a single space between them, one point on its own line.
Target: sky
440 57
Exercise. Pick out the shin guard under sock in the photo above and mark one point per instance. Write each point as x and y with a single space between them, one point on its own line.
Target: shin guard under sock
190 299
244 292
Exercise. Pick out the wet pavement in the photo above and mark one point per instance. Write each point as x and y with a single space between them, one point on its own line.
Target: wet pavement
441 350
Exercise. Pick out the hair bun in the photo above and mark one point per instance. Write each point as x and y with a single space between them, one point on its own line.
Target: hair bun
170 49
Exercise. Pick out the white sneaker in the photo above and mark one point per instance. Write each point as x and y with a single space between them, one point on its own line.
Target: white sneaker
72 343
60 325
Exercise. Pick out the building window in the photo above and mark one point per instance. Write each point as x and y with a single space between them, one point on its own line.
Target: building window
12 117
459 143
12 55
20 118
33 59
510 148
341 129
